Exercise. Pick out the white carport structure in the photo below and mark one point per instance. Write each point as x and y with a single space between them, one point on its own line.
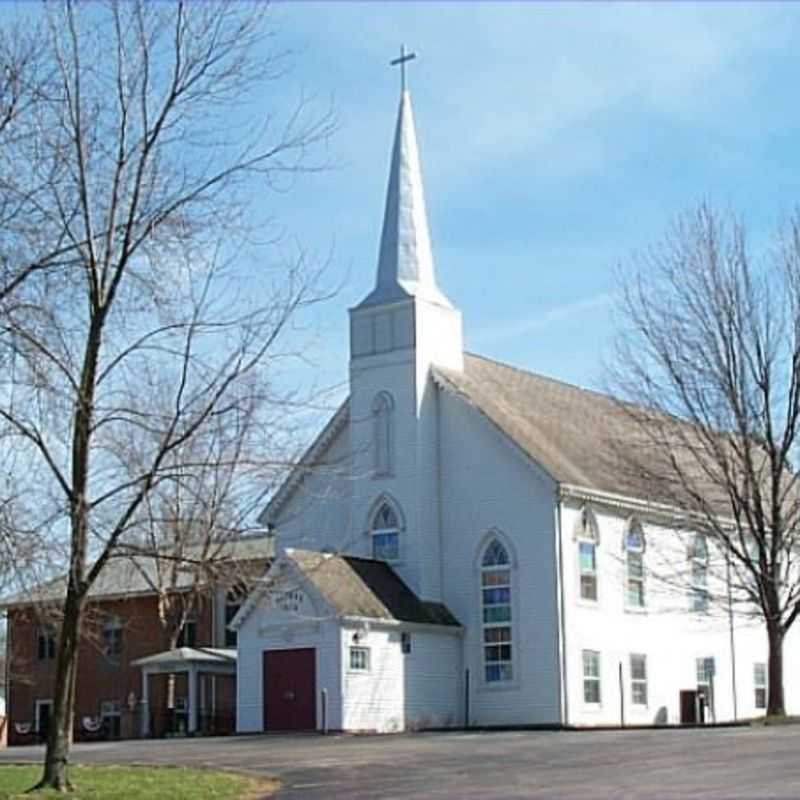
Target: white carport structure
189 660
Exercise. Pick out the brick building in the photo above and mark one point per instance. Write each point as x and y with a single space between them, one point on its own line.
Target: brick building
130 683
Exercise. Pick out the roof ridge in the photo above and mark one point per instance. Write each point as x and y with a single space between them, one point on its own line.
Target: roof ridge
550 378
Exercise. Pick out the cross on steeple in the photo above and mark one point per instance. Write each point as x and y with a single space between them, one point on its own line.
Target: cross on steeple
402 62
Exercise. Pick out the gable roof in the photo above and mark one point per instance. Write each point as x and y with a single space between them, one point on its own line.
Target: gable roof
310 459
189 655
124 576
574 434
358 587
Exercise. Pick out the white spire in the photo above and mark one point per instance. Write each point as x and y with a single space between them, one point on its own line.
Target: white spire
405 261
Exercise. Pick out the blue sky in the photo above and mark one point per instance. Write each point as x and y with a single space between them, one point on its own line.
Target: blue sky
556 139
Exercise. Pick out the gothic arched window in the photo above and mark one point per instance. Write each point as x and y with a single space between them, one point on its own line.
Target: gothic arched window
634 565
385 531
587 535
382 408
496 613
698 556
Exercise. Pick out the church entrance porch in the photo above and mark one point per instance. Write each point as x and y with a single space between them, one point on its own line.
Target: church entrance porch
188 691
289 680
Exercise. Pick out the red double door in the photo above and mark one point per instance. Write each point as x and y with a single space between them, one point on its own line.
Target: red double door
290 690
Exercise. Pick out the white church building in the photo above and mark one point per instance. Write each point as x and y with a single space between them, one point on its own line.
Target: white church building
455 551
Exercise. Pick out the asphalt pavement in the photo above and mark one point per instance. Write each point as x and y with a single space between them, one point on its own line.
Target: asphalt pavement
644 764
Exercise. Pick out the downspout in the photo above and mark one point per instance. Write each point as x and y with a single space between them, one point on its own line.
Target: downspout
732 638
562 627
7 673
439 514
214 632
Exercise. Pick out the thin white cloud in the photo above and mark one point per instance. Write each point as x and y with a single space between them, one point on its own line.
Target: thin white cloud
515 329
514 81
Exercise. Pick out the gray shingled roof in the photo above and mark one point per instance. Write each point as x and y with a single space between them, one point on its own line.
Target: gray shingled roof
125 576
361 587
186 655
576 435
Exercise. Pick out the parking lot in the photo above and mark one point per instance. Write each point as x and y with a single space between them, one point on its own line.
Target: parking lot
700 763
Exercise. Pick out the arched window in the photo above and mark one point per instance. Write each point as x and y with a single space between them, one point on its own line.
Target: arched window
382 408
385 531
698 557
588 537
496 613
634 565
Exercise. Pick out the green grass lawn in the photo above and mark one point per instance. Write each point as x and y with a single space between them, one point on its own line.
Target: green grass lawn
137 783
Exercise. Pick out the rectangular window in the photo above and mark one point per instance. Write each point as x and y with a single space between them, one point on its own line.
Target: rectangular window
699 590
591 676
497 653
112 637
635 589
359 659
496 610
45 644
386 546
705 671
638 679
110 713
233 602
760 683
405 643
588 570
188 635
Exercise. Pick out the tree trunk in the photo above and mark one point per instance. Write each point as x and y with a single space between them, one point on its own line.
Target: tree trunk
775 704
59 736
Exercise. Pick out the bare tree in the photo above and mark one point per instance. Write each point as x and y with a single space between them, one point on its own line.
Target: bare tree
192 532
709 361
150 334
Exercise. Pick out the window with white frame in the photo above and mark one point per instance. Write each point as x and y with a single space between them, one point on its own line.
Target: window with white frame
706 669
188 633
496 613
587 535
385 531
591 677
234 597
112 636
45 642
698 557
638 668
382 434
760 684
111 715
359 659
634 565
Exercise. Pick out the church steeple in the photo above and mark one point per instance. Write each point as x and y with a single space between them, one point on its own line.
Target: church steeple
403 330
405 260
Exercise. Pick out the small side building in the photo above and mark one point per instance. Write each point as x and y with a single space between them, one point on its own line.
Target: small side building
333 642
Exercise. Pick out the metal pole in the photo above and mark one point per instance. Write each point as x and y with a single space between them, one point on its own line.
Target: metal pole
466 698
324 710
732 638
621 697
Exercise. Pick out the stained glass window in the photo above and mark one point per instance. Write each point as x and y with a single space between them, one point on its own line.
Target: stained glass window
496 612
385 534
634 557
